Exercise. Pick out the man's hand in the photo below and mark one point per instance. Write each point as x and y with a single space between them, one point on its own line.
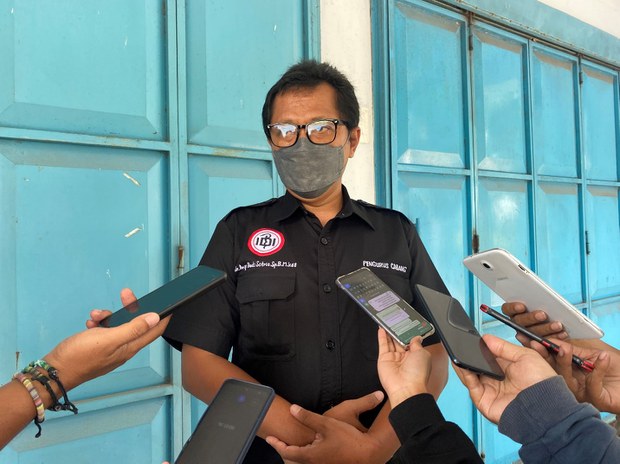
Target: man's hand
335 440
523 368
536 321
402 373
349 411
601 387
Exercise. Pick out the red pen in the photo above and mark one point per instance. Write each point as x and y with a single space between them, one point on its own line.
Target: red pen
552 347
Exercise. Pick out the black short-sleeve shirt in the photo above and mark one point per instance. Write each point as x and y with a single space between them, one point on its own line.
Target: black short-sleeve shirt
280 310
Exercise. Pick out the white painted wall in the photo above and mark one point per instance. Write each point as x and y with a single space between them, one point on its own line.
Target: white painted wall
346 44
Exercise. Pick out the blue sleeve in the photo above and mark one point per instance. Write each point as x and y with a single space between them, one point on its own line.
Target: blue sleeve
554 428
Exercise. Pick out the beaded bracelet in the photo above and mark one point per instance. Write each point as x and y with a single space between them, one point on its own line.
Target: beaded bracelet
43 380
34 394
53 373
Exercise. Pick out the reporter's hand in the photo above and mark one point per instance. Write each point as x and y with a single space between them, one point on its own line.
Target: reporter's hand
523 367
601 387
97 315
402 373
536 321
349 411
335 441
97 351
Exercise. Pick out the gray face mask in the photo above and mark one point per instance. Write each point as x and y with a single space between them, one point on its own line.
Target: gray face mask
307 169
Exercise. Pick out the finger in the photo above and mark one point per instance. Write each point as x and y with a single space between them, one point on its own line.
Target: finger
415 344
384 345
137 333
127 296
471 382
510 309
366 403
594 381
543 352
564 360
314 421
546 329
503 349
524 340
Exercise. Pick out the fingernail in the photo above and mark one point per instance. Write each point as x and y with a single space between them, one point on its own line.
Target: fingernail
295 409
540 316
603 355
96 312
556 326
379 395
563 336
151 319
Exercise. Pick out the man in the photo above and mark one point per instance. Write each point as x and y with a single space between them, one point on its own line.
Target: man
280 310
532 406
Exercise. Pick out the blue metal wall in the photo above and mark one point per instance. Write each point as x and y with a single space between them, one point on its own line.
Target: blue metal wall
498 136
127 129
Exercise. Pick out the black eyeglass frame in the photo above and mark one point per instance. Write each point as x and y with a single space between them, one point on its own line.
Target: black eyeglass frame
298 128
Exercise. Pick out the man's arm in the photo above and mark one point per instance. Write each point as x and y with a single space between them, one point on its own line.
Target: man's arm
205 381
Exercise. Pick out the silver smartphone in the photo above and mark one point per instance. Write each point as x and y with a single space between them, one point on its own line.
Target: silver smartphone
512 281
381 303
228 426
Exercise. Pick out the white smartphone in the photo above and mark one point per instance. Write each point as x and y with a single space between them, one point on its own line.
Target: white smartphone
381 303
512 281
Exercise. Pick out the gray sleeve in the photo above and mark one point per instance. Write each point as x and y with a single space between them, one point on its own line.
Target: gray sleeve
554 428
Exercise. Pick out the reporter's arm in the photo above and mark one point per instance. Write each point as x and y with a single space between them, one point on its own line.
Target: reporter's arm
77 359
554 428
205 381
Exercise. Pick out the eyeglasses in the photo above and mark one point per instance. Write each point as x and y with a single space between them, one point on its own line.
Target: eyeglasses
321 132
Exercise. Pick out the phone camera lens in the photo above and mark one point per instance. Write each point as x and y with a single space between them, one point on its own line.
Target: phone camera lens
487 265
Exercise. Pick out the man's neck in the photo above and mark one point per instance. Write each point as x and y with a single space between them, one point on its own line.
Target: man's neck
326 206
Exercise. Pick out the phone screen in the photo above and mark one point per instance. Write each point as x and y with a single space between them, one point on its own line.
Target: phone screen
462 341
169 296
388 309
228 426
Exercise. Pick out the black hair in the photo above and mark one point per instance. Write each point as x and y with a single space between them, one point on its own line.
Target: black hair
309 74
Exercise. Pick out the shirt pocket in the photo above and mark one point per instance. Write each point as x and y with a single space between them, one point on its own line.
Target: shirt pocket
267 316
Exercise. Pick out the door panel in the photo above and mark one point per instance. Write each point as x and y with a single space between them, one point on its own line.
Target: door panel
601 125
553 117
430 86
500 104
559 253
84 67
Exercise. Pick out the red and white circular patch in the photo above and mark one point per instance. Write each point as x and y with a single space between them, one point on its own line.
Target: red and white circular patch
265 242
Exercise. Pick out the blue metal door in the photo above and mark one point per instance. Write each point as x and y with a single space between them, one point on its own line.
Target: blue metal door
501 141
127 129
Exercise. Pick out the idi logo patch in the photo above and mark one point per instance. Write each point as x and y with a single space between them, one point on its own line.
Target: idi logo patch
265 242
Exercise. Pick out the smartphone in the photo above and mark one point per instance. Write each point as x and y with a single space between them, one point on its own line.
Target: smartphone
228 426
169 296
512 281
381 303
458 334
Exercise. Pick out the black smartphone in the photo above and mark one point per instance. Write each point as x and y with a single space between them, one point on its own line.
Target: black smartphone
381 303
228 426
169 296
458 334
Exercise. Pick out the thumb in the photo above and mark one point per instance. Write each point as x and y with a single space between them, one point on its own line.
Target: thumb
594 380
135 328
314 421
366 402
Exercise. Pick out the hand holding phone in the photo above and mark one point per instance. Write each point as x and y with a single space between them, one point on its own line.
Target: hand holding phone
513 281
168 297
383 305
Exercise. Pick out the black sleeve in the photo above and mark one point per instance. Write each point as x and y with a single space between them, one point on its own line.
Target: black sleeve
426 437
210 321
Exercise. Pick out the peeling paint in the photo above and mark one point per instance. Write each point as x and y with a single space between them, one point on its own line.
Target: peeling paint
107 272
135 181
133 232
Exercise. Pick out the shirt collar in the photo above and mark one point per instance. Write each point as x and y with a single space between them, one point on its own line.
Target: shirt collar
287 206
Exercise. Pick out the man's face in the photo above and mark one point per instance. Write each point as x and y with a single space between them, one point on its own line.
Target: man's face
305 105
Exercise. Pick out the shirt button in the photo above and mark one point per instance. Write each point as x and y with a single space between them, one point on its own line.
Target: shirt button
330 345
324 240
327 288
